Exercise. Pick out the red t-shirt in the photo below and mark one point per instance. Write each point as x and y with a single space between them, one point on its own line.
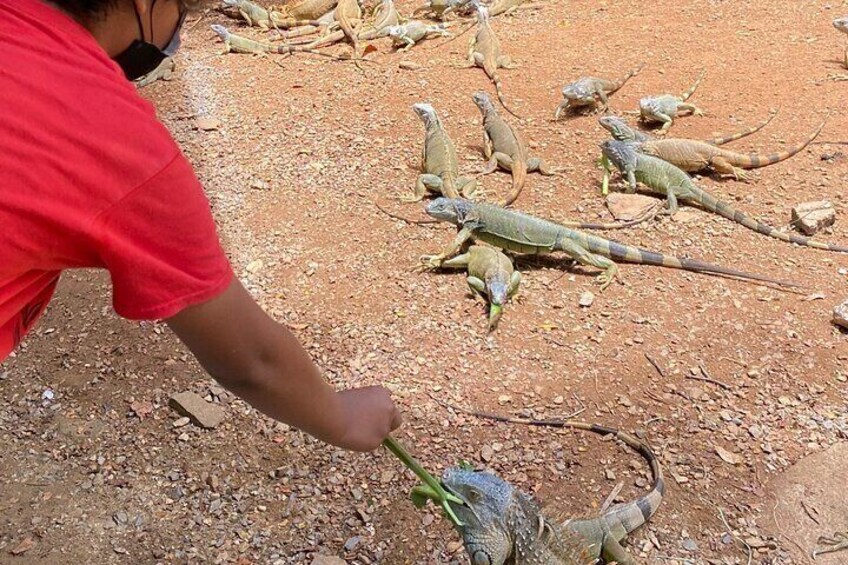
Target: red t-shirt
90 178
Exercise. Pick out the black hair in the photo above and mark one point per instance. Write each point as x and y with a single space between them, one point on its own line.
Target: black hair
86 8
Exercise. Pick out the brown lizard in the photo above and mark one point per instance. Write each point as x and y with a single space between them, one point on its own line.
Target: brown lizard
665 107
349 16
503 147
692 156
484 51
588 91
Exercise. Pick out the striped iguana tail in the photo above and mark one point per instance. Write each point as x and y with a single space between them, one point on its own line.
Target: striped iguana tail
743 133
688 94
725 210
629 254
619 520
619 84
756 161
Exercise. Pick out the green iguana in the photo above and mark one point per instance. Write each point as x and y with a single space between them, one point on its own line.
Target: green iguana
504 148
589 91
665 107
842 25
693 156
502 525
252 13
405 36
491 276
439 9
238 44
439 163
623 132
522 233
164 71
666 179
484 51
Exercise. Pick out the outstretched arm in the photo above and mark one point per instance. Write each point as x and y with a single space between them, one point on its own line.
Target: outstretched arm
262 362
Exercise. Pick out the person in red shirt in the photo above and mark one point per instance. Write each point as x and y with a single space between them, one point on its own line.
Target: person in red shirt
90 178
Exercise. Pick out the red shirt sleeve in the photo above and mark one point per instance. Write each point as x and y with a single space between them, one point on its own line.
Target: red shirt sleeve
160 246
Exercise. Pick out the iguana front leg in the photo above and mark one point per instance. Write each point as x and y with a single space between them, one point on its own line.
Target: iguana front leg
514 283
431 262
606 165
468 187
562 107
458 262
478 287
604 100
667 122
504 62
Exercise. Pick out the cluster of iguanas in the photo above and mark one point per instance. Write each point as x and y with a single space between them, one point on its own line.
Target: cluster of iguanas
500 524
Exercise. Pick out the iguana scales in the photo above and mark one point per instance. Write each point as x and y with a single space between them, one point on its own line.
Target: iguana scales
522 233
484 51
504 525
665 107
491 276
405 36
504 148
589 91
693 156
666 179
439 163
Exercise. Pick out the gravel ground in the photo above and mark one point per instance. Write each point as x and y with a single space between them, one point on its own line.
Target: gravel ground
101 470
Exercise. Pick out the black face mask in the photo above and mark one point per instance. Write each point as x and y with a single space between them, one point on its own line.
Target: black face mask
142 57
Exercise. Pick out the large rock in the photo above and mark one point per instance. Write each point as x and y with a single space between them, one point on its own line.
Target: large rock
810 217
201 413
629 207
840 315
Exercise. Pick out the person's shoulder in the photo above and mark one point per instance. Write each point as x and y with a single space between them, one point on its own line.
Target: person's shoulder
61 95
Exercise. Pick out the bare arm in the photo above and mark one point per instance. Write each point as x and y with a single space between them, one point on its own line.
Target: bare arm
262 362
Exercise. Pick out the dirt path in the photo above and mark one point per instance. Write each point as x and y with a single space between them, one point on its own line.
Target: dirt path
300 154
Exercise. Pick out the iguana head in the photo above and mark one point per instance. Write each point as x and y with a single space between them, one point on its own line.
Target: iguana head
427 114
841 24
222 32
482 12
578 93
618 128
622 154
451 210
483 101
488 499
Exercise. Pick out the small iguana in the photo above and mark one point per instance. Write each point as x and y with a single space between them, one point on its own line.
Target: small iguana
491 276
165 71
253 14
505 7
842 25
405 36
484 51
831 544
504 525
623 132
439 163
589 91
238 44
440 9
522 233
504 148
665 107
666 179
693 156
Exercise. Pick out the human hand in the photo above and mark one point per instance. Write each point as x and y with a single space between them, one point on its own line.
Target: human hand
367 417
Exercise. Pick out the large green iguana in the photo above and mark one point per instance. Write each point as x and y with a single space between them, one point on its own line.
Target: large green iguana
693 156
439 163
491 276
504 148
666 179
589 91
665 107
623 132
504 525
522 233
484 51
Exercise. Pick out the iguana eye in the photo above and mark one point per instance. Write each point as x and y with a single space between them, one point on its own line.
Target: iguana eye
474 496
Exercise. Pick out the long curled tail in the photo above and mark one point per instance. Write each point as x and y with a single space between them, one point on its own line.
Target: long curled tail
519 178
743 133
725 210
632 73
630 516
691 91
755 161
